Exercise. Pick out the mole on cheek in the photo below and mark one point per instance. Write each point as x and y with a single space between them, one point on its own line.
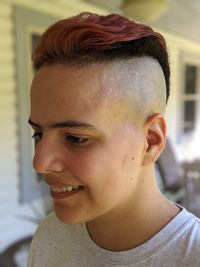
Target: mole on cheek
132 158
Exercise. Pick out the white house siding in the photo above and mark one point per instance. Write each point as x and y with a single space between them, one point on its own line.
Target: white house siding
8 124
13 226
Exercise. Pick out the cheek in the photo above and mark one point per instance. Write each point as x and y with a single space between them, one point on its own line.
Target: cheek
96 170
107 167
86 167
130 165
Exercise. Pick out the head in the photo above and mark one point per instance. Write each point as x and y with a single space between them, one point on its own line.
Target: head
89 38
97 105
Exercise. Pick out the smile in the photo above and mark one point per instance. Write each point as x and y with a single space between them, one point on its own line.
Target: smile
60 192
68 188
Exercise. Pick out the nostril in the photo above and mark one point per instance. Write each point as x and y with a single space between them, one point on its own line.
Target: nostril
47 163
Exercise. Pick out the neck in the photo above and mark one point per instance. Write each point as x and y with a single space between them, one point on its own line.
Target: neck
134 223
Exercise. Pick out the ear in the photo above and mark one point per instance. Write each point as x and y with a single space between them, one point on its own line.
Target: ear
155 130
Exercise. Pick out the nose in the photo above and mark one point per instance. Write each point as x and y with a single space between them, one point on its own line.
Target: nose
48 157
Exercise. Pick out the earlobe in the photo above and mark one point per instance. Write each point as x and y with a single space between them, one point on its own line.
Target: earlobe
155 129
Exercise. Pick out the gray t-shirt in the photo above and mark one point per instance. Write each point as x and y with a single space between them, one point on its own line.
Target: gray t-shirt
56 244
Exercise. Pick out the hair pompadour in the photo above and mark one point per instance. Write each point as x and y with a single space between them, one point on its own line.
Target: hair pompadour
88 38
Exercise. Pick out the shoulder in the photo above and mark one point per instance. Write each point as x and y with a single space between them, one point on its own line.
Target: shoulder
178 241
187 226
52 227
52 231
191 225
192 229
49 223
190 239
52 240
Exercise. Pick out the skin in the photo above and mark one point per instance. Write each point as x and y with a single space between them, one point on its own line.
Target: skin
112 158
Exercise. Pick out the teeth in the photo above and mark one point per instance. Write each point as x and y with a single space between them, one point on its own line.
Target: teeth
62 189
76 186
56 189
68 188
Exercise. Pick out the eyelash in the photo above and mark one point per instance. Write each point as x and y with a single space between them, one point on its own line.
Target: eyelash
72 139
37 136
76 140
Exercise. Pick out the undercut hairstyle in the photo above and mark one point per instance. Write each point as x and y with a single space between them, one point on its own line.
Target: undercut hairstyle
91 38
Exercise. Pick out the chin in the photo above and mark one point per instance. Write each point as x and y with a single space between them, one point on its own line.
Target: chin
68 217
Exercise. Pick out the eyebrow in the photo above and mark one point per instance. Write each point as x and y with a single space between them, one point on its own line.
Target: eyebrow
65 124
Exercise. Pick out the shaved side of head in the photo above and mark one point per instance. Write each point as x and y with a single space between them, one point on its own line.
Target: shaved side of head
139 85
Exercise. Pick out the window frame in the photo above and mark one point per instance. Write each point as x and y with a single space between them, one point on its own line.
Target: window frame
188 58
27 22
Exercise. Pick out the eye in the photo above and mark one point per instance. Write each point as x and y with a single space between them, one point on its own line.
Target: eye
37 136
77 140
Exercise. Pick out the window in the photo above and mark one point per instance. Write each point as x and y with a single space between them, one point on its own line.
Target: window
190 91
191 97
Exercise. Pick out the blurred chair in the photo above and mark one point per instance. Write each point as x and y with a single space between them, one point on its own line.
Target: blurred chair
180 183
16 254
170 175
192 185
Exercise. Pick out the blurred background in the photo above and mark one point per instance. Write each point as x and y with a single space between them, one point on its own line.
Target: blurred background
24 198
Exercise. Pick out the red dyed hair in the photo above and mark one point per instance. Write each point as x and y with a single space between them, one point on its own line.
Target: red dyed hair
88 38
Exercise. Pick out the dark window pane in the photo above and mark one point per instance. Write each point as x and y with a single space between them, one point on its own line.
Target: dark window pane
190 79
189 115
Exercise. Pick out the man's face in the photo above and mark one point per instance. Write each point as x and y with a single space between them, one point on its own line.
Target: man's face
90 155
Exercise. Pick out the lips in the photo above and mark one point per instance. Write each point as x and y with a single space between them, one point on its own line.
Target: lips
61 191
59 188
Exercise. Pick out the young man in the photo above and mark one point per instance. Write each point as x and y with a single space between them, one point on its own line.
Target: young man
97 109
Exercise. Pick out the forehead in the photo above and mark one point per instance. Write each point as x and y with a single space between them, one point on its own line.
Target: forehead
60 91
87 82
